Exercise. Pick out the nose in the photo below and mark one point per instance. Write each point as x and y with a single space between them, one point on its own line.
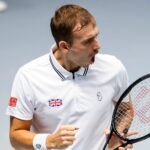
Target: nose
96 45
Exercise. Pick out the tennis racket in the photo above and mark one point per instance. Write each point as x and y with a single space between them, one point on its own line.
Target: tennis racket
132 113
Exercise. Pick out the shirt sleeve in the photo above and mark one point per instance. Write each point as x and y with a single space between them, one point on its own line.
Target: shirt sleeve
21 100
122 82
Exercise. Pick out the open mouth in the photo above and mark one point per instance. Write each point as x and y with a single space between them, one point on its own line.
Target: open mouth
92 59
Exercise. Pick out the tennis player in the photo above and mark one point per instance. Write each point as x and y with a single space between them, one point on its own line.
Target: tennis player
65 99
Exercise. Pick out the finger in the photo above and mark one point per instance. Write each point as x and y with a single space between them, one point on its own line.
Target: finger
132 133
107 131
68 138
68 133
130 146
121 148
129 133
69 127
67 143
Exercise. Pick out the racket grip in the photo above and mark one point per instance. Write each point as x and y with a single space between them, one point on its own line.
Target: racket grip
123 145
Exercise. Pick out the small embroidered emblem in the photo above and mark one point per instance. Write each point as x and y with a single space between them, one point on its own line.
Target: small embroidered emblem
12 102
55 102
99 96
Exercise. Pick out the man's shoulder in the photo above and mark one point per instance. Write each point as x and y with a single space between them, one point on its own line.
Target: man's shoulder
108 63
36 63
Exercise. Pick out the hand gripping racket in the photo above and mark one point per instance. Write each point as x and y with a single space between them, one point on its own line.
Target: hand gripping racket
125 119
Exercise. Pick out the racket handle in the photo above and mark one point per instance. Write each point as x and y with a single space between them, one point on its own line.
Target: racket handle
123 145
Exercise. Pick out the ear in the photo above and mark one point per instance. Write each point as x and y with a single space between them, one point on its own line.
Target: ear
63 46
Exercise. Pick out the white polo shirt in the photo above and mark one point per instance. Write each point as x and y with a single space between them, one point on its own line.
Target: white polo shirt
51 96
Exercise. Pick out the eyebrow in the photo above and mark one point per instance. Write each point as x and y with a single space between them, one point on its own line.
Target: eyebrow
91 37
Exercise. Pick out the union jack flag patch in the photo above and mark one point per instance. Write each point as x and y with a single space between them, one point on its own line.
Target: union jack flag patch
55 102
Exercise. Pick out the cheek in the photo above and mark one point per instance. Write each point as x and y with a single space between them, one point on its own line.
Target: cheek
81 53
84 58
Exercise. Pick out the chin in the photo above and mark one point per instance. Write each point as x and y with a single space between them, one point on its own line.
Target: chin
84 64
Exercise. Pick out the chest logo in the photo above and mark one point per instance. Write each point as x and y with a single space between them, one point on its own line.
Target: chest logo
55 102
99 96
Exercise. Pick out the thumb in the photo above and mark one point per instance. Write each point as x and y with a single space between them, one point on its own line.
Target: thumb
107 132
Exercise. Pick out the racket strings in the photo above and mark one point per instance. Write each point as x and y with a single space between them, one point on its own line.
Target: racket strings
123 119
139 118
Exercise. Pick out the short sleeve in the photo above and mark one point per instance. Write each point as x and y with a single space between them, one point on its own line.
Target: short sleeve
122 82
21 100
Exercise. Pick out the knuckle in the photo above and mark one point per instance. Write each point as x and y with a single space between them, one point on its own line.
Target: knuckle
62 132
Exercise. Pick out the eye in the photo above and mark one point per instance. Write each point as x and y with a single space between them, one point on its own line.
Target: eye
89 41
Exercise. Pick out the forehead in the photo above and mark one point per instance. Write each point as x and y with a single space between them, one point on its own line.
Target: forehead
85 32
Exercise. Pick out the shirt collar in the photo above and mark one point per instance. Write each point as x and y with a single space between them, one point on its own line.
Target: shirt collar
62 72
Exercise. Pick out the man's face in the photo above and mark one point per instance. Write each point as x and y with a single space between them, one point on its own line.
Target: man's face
84 47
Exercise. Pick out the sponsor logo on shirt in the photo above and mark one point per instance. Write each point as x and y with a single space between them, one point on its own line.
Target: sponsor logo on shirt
55 102
12 102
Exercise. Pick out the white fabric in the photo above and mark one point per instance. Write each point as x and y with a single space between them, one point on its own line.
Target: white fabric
86 101
39 141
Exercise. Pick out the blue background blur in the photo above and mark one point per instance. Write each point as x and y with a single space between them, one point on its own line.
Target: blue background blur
24 35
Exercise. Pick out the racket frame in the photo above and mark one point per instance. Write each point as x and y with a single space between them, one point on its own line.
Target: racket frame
113 128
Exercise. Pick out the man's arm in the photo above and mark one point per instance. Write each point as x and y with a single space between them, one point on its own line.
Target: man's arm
22 138
20 135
